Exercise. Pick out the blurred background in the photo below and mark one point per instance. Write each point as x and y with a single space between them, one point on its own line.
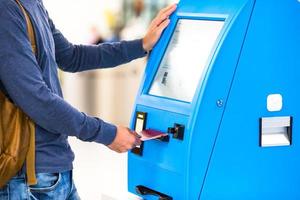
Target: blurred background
99 173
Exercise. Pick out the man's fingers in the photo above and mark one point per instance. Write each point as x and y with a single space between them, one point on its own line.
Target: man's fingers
166 9
170 9
135 134
137 141
163 15
162 26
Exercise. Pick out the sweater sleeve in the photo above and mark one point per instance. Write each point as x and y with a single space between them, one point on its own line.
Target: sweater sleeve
76 58
22 79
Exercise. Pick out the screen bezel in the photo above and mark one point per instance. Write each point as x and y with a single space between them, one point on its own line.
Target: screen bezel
158 52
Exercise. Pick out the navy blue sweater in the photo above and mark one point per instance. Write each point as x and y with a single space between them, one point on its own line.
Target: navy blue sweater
32 82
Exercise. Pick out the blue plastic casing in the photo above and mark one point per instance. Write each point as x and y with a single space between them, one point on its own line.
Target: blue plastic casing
220 157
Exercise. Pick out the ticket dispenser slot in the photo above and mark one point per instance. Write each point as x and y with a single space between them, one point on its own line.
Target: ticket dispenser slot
142 190
275 131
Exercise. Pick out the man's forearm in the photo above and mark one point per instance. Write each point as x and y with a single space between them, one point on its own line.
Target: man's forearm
77 58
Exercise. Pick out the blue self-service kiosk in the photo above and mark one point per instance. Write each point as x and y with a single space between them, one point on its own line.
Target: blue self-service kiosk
223 82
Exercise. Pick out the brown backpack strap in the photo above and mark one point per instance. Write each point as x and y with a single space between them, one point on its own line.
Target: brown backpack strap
29 28
30 159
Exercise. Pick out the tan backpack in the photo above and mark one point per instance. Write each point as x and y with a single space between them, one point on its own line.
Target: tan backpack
17 132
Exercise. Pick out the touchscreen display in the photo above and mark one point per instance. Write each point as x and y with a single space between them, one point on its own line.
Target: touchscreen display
185 59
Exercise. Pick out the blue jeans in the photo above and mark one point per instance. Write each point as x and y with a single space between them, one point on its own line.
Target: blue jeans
50 186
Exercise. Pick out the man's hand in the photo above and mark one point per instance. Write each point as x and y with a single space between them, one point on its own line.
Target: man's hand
125 140
157 26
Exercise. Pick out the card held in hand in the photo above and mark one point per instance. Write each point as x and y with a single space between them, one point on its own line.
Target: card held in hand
150 134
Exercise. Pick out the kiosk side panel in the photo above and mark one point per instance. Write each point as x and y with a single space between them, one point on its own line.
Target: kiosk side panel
240 167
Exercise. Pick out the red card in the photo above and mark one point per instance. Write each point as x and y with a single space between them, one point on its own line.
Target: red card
150 134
